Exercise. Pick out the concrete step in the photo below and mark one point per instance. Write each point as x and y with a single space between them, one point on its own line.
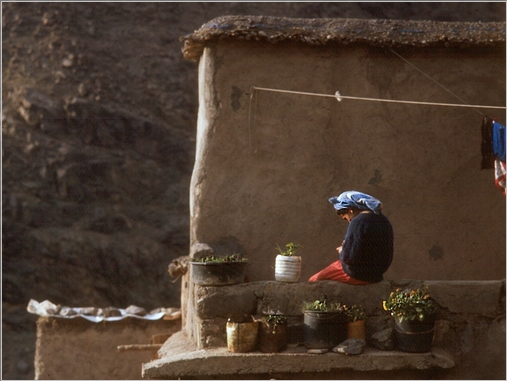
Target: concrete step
180 359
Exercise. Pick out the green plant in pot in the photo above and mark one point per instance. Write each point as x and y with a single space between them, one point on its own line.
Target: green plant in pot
324 324
414 313
288 264
322 305
273 333
356 317
212 258
290 249
218 271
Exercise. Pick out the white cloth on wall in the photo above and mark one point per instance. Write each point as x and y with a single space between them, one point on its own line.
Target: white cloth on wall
500 175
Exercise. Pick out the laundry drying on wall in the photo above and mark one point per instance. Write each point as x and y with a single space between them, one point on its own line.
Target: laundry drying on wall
493 150
96 315
500 175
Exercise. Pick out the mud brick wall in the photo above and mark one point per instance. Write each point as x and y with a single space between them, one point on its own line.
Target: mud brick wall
77 349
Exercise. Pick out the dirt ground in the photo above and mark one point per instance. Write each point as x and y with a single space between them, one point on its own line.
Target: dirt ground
99 110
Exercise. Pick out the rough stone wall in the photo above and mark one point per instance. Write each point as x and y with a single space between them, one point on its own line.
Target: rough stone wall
470 323
76 349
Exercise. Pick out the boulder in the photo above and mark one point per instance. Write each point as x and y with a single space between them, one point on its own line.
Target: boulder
383 340
350 347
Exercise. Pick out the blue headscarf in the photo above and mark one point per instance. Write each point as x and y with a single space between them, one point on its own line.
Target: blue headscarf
358 200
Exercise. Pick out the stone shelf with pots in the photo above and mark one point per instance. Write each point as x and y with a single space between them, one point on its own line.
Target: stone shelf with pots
180 359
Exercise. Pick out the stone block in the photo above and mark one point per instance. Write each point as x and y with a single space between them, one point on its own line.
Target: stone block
285 297
350 347
468 297
383 340
377 323
289 297
212 333
225 301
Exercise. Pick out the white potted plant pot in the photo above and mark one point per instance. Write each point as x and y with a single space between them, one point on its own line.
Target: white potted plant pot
287 269
288 265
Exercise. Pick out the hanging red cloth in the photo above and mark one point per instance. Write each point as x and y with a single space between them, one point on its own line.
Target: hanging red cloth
500 175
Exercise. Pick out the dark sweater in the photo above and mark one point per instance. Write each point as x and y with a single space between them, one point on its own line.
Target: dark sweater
367 251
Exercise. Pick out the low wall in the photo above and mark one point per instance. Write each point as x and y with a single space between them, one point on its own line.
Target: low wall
470 326
77 349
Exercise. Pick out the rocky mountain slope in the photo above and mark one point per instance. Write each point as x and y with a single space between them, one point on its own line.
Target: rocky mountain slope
99 111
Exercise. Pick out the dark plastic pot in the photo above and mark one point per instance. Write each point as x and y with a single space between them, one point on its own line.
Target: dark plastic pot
324 330
272 337
414 335
218 274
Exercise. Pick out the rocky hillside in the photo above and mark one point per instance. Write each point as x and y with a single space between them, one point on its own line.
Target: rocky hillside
98 121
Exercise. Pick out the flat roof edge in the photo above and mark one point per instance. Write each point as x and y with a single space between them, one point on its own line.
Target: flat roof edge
375 32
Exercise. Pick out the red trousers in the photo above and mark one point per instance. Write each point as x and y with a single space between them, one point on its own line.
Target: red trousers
335 272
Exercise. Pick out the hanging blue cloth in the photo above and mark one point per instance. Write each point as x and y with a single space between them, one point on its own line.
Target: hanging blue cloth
499 140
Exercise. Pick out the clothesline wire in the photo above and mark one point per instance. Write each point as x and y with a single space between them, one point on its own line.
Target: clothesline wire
435 81
338 96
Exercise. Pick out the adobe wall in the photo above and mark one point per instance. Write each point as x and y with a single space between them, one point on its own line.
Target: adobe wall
470 324
264 170
77 349
267 162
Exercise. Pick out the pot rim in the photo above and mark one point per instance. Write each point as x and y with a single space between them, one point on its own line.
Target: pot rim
324 312
218 263
428 319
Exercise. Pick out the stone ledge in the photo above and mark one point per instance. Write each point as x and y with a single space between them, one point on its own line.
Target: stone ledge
181 359
462 297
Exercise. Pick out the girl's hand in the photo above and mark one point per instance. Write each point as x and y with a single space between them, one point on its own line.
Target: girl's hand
339 249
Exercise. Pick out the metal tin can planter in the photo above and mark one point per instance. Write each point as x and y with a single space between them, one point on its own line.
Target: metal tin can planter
272 336
287 268
414 335
356 330
218 274
242 337
324 330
